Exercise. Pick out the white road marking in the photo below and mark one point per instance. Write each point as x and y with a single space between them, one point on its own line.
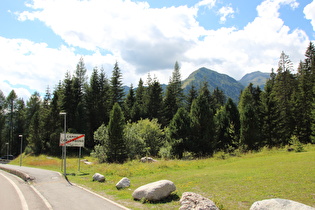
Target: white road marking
19 192
42 197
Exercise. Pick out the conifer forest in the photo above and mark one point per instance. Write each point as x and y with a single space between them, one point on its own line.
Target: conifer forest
149 120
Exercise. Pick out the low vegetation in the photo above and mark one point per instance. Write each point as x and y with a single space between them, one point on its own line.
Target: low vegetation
232 182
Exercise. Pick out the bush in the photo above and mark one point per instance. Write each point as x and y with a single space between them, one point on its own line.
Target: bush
297 145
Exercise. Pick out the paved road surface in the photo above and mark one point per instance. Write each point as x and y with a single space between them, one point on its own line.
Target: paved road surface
49 190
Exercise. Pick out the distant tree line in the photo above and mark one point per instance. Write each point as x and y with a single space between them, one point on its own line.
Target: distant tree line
171 124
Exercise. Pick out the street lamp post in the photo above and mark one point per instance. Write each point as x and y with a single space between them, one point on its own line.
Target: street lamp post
64 146
21 136
7 150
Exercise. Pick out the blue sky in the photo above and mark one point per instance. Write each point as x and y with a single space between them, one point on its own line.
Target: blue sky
43 39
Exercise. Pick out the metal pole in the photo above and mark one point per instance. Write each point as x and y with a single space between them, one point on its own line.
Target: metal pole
21 136
7 150
79 158
64 146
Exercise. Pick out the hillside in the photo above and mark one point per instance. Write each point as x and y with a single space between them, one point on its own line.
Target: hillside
257 78
227 84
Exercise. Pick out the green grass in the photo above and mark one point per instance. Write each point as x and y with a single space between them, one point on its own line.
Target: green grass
232 183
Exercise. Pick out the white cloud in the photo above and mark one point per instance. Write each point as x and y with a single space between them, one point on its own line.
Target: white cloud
34 66
143 39
255 47
207 3
225 12
309 13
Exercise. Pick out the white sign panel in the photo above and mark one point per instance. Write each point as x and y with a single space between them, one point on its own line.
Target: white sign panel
72 140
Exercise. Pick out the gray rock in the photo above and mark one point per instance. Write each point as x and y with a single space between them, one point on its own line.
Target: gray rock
147 160
192 201
279 204
98 177
154 191
123 183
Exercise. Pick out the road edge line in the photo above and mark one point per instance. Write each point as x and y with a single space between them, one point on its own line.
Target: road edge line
117 204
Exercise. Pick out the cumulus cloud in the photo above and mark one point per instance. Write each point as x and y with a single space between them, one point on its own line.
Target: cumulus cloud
35 66
224 12
144 39
255 47
132 29
309 13
207 3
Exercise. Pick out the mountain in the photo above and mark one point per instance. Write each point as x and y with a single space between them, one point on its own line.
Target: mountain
227 84
257 78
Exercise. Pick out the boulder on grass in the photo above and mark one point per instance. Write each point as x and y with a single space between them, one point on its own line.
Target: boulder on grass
98 177
147 160
279 204
123 183
192 200
154 191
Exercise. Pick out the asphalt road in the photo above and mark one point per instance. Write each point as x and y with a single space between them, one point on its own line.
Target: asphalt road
48 190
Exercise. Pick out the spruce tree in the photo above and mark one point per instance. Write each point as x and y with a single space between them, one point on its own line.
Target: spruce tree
173 96
250 131
129 104
116 87
138 111
270 114
179 132
116 151
154 99
202 124
285 84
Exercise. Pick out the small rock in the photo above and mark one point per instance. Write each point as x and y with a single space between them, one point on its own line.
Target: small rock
147 160
123 183
279 204
154 191
98 177
192 200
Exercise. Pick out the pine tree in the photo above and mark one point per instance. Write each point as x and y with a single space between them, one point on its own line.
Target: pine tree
227 127
250 132
116 151
116 88
192 95
217 99
129 103
179 132
154 100
270 113
202 124
79 82
173 96
138 111
34 133
285 83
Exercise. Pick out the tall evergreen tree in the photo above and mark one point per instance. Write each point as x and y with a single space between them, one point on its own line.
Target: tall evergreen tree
270 113
129 103
138 111
179 132
227 127
202 124
117 151
33 115
174 95
11 102
192 95
154 100
116 87
250 133
285 83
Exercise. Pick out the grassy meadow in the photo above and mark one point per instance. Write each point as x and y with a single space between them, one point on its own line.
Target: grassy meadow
231 182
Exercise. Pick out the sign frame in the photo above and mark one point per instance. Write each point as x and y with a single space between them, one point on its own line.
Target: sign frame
72 140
